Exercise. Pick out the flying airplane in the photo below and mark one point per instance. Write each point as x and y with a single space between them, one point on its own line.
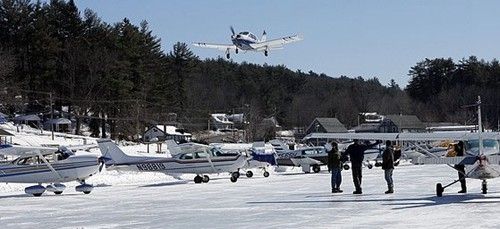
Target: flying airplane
481 160
53 168
246 41
192 159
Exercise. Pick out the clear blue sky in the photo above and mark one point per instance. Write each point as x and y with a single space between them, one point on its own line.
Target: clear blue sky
354 38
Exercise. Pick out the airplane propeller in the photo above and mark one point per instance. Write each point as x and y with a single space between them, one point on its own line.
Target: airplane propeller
232 30
102 161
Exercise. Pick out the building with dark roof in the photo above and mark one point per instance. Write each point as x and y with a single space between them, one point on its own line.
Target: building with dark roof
326 125
392 124
323 125
407 123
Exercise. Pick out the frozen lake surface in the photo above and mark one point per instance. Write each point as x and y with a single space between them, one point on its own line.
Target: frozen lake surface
290 199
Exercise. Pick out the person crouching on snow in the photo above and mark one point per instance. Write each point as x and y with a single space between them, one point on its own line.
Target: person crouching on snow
334 166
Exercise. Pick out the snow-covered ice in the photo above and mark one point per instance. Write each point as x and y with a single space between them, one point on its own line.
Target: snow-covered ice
290 199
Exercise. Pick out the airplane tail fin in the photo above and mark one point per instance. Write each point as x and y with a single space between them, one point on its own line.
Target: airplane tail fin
110 151
279 146
173 147
264 36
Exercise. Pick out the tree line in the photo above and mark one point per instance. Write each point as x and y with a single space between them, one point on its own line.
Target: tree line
117 76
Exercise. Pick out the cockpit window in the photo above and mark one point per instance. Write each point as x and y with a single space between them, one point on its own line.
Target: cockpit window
486 144
244 33
187 156
252 36
201 154
28 161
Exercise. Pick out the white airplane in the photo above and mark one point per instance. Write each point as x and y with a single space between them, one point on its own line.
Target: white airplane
194 159
53 168
261 156
246 41
305 158
481 160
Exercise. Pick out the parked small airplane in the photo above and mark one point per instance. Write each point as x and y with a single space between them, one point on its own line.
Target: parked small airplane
481 160
53 168
305 158
246 41
193 159
261 156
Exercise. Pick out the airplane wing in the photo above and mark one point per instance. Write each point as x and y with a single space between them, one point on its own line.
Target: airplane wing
18 150
275 43
406 136
222 47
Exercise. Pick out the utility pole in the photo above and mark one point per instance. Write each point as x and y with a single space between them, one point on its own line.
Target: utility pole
138 110
51 115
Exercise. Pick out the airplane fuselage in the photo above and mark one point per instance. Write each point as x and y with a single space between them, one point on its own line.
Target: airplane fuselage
244 40
70 169
190 166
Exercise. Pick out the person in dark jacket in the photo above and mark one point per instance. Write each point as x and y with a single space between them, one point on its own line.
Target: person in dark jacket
388 166
356 152
459 149
334 166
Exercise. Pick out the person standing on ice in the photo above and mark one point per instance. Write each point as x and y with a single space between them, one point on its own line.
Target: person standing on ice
459 148
388 166
356 152
334 166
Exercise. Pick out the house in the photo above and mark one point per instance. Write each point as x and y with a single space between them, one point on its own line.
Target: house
407 123
266 129
3 136
59 125
220 122
391 124
164 132
31 120
324 125
384 126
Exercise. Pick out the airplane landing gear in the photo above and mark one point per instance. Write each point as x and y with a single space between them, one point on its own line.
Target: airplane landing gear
56 188
266 174
316 168
228 56
36 190
84 187
249 174
205 179
265 53
234 176
439 189
484 187
236 51
198 179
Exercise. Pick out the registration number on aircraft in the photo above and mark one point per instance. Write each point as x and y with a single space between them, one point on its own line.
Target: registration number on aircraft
151 167
289 155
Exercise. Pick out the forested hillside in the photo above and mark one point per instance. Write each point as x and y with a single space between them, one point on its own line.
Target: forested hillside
118 73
